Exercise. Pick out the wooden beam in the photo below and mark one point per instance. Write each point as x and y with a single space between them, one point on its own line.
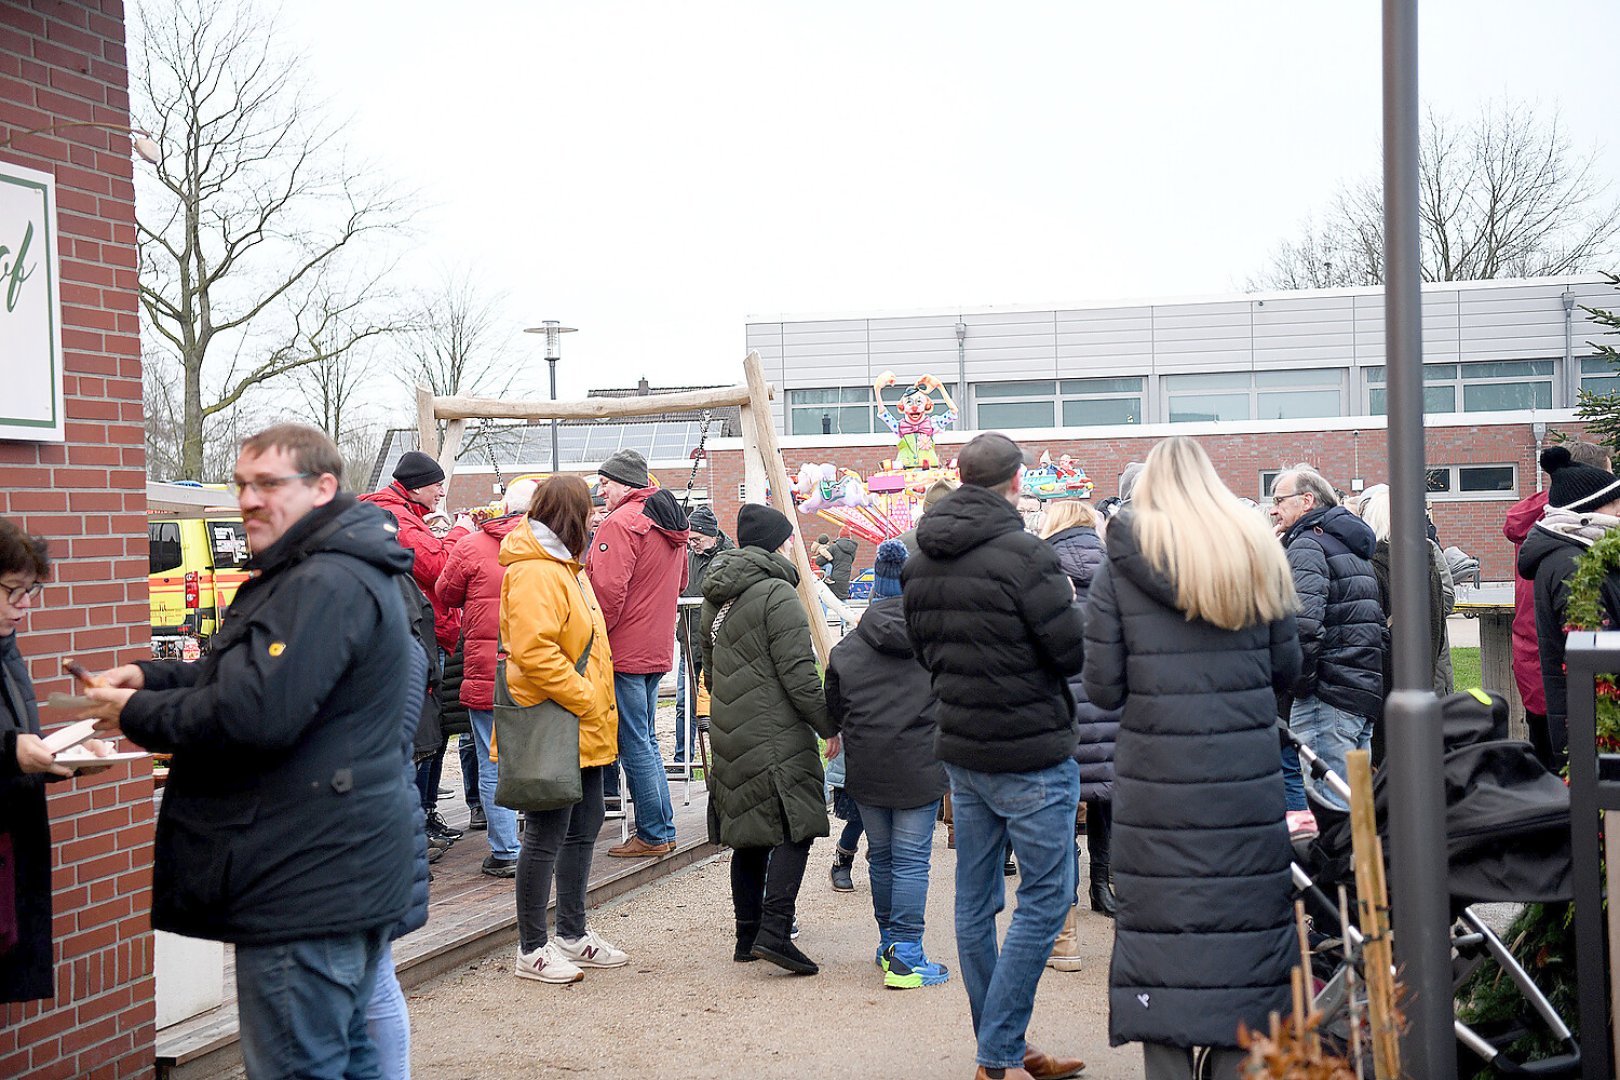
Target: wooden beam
427 431
454 431
759 410
753 464
605 408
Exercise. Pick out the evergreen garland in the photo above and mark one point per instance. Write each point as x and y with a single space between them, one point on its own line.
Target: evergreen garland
1585 612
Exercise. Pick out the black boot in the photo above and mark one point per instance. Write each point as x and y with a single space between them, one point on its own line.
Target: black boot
841 879
776 945
747 932
1102 891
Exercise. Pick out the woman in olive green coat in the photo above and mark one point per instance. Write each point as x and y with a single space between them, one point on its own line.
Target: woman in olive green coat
766 796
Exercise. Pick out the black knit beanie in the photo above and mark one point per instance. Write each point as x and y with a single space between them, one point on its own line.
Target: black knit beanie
417 470
763 527
1575 486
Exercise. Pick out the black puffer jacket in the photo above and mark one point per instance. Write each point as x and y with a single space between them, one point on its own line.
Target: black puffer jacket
287 814
1341 622
1080 553
993 618
1204 937
879 696
25 969
1548 560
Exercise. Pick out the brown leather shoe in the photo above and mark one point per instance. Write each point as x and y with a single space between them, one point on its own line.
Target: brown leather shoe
1043 1066
1012 1074
637 848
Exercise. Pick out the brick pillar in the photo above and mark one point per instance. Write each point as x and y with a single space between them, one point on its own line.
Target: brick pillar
65 61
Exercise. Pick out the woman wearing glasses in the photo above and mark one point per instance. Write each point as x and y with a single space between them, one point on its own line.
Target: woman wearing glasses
25 765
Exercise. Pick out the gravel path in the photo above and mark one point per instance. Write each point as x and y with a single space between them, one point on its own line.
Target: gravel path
682 1008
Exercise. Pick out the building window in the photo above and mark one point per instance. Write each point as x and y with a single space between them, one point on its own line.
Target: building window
1489 386
834 410
1473 482
1094 402
1268 480
1029 404
1598 376
1258 395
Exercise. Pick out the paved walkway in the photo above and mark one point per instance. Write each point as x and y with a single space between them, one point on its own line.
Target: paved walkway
682 1008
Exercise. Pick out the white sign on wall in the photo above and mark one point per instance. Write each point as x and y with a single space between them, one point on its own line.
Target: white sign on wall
30 307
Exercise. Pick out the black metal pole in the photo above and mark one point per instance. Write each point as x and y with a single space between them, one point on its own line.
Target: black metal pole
1417 816
552 360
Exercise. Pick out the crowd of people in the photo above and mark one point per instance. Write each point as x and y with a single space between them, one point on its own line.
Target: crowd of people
1033 674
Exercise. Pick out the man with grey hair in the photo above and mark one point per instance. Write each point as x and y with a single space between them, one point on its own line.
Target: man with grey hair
1340 692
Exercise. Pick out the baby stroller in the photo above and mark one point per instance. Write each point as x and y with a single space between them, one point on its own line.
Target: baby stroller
1507 840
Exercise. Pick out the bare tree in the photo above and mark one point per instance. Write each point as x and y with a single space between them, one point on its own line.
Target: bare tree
165 437
1502 195
252 212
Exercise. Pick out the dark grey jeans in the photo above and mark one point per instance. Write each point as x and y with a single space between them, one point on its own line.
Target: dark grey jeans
558 843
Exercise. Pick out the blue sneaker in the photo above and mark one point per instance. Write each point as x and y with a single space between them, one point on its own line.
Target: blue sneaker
907 967
881 958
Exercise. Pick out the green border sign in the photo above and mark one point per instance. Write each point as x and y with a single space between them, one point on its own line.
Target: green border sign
30 307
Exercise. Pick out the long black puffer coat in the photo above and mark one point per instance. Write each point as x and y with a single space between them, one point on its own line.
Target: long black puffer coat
879 696
1080 553
1341 622
766 704
994 620
1204 937
26 968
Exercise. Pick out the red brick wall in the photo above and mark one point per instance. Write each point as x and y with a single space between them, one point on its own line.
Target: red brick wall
1475 526
63 61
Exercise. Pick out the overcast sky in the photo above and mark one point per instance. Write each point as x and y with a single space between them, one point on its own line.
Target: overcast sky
657 173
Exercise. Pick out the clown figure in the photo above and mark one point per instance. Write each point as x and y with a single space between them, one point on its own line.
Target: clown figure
916 423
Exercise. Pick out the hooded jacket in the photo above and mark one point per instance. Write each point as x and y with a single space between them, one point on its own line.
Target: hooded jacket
766 704
697 568
1341 622
841 563
548 615
992 617
880 698
1204 936
1080 553
471 581
432 553
27 968
1521 518
637 565
287 815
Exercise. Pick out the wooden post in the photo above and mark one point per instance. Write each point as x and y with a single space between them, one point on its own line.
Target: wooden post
759 409
1372 904
453 433
753 464
427 428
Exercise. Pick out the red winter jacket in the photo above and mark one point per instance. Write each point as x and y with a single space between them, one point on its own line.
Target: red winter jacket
431 555
472 581
637 568
1521 517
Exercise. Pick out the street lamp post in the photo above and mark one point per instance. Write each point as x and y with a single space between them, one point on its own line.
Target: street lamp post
553 331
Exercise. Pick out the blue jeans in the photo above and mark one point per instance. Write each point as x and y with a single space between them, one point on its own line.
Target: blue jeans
302 1007
503 838
680 715
1036 811
898 846
388 1022
1293 779
643 764
1331 733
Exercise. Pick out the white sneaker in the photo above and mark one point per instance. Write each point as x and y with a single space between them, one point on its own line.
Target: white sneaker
591 951
548 964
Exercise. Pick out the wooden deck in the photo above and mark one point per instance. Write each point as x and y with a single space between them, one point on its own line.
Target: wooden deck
469 915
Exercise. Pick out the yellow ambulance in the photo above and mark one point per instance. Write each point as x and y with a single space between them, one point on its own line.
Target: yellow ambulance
197 559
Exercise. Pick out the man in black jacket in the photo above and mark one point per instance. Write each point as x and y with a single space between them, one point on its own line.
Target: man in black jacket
705 542
286 827
993 619
1340 692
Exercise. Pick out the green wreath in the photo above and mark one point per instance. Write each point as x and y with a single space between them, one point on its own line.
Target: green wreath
1585 612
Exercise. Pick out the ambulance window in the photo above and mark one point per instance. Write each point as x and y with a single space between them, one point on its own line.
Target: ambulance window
163 538
228 541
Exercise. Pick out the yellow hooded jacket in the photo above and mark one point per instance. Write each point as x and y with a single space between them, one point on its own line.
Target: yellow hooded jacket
548 611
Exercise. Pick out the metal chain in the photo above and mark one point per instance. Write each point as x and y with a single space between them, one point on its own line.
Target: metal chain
698 457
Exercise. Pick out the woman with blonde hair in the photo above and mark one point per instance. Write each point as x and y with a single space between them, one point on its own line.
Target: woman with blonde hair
1195 601
556 644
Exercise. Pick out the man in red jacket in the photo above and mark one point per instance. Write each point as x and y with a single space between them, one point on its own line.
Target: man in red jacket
1521 517
472 582
417 488
637 567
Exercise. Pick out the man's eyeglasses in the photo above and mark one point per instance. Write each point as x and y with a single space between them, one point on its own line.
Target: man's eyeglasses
1290 495
14 596
268 484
